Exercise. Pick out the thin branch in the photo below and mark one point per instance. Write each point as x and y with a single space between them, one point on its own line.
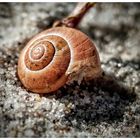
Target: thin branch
76 16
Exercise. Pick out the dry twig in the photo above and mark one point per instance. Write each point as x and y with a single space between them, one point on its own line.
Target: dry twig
75 17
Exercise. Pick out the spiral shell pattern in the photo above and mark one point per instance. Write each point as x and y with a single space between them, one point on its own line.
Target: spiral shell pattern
51 57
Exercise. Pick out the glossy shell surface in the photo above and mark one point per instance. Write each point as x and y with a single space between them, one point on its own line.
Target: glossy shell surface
54 56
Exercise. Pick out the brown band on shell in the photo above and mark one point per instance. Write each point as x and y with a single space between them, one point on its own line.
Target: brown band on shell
45 54
57 54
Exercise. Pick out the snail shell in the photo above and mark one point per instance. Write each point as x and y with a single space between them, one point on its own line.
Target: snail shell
57 56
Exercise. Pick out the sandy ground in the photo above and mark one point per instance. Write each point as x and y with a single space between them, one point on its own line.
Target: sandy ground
108 107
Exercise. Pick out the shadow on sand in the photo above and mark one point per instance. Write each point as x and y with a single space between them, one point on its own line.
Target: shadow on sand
104 99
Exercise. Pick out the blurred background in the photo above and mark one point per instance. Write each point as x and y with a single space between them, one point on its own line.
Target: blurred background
108 108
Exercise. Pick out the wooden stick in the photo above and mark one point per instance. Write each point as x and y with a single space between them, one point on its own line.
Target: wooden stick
75 17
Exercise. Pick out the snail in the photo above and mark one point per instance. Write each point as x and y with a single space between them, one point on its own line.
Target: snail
55 57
